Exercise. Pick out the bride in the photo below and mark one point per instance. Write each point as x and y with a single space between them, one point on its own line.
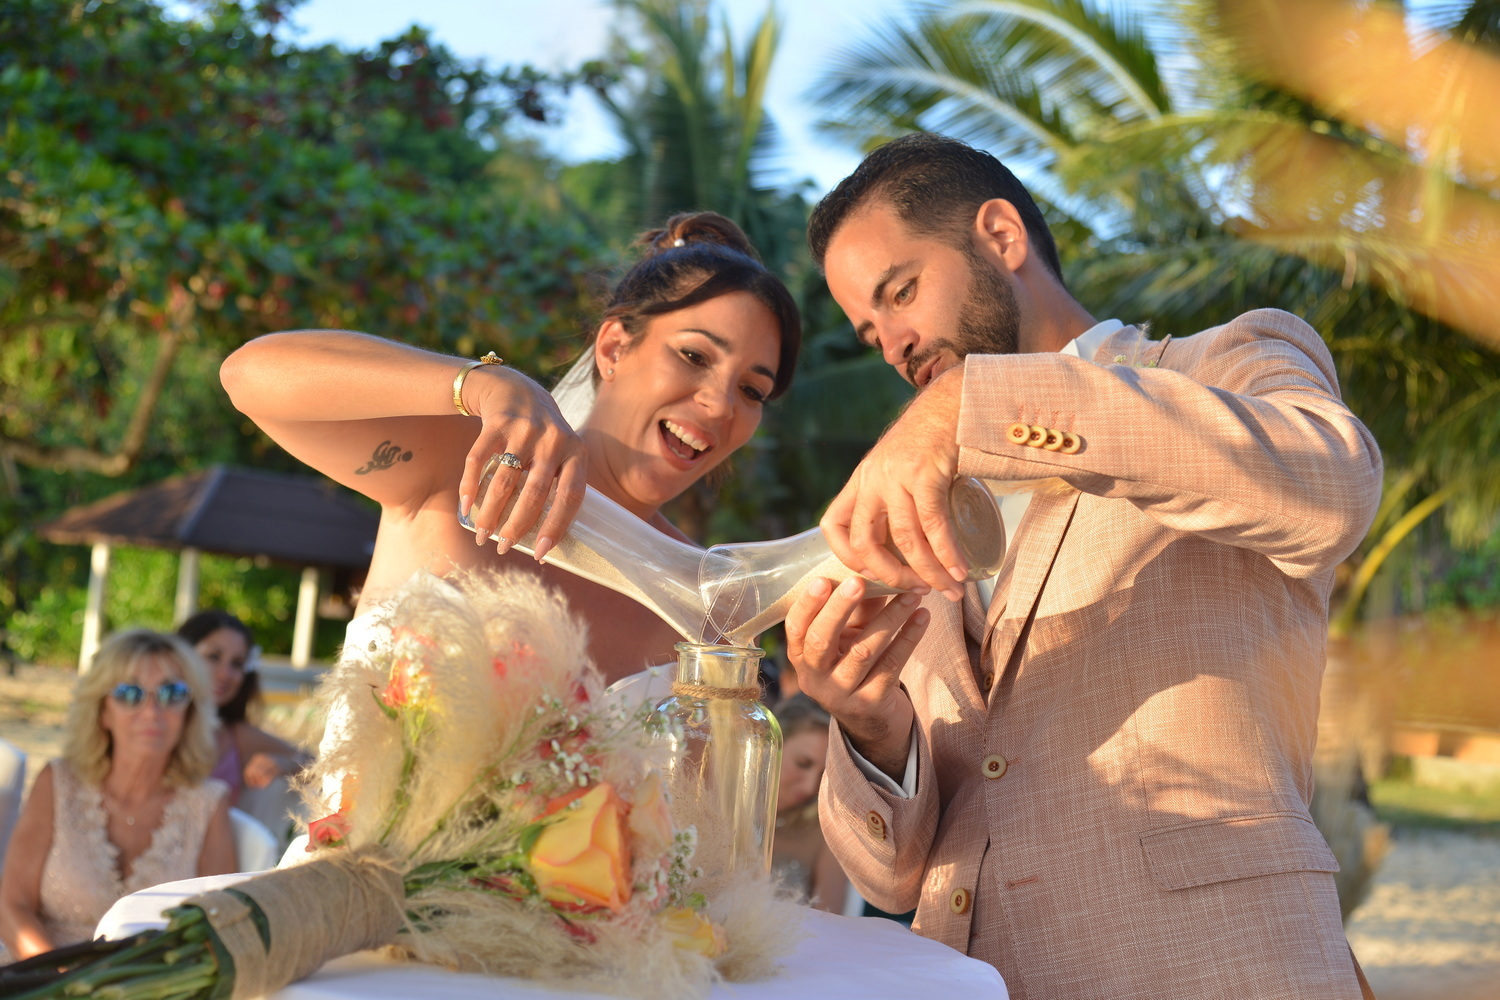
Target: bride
695 339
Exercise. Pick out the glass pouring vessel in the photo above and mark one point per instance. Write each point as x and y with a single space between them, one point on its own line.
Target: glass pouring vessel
730 592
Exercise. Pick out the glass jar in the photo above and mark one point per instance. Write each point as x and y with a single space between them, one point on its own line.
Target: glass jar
724 765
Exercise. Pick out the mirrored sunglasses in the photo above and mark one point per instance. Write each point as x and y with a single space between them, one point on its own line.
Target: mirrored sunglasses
172 694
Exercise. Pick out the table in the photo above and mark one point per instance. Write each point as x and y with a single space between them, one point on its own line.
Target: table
841 958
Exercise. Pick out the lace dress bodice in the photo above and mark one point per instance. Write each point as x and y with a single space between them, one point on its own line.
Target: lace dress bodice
81 876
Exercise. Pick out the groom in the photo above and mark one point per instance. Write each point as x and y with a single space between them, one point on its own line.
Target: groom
1093 770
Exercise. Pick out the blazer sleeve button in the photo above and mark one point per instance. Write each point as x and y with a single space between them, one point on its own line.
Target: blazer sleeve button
1054 440
959 901
1071 443
875 824
1018 433
1035 435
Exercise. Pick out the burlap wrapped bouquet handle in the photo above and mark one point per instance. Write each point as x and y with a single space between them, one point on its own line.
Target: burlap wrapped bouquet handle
331 906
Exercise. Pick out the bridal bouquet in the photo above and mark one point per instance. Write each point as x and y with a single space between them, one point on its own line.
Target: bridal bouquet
486 810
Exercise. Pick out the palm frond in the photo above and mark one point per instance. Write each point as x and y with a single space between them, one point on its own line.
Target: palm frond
936 75
1102 50
1472 20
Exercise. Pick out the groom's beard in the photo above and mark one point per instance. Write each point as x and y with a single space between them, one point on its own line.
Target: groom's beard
989 321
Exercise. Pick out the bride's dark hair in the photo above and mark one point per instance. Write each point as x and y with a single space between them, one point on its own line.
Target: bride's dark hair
695 257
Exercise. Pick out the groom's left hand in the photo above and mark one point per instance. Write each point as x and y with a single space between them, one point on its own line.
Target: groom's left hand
848 653
898 497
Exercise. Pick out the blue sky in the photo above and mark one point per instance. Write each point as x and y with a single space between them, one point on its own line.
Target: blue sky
559 34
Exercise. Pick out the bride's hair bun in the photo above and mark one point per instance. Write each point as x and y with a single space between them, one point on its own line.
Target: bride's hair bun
687 228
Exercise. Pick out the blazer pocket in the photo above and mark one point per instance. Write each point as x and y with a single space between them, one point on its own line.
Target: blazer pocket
1235 847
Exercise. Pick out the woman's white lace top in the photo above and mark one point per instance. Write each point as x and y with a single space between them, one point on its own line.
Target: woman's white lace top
81 876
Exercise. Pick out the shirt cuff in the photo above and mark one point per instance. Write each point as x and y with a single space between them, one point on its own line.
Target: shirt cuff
908 787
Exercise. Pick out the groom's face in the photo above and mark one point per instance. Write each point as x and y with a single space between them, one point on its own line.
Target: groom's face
923 303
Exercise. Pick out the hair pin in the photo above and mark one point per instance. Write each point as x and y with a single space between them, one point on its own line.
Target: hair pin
679 242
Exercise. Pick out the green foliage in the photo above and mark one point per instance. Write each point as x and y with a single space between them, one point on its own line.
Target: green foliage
142 583
204 167
50 629
1473 581
173 184
1403 803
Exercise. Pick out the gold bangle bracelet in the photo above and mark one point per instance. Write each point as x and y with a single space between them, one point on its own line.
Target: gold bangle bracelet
458 380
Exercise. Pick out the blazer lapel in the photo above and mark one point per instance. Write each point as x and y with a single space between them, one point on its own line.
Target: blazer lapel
1037 538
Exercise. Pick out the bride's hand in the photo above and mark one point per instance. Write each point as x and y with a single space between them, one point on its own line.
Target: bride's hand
519 418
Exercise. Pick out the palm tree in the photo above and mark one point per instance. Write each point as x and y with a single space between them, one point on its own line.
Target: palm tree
1186 177
688 107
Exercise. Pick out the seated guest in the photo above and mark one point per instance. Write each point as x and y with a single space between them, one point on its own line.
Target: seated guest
129 805
248 756
799 855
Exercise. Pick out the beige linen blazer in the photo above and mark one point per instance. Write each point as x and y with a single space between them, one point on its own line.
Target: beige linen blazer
1114 763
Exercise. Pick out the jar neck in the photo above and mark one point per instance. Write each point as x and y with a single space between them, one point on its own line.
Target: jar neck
728 667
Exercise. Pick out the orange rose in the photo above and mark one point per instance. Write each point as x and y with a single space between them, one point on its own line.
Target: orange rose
581 859
692 931
650 819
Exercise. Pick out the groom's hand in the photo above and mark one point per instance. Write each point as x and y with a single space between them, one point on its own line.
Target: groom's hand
848 653
898 498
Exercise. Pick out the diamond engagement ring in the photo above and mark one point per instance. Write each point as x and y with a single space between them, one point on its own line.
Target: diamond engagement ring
509 460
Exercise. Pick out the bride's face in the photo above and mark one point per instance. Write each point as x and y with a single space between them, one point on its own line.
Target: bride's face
681 398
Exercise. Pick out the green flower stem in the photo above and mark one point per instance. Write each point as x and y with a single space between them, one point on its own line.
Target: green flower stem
413 728
99 968
154 984
88 984
147 982
403 793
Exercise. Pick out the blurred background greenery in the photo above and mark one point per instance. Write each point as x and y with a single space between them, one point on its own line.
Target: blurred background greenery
176 178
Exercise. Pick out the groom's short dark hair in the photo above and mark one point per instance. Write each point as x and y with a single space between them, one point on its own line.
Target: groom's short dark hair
935 184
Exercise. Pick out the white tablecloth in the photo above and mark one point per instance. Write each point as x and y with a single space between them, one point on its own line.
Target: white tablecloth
841 958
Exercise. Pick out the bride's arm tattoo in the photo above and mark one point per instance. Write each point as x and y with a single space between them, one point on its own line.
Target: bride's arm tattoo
386 455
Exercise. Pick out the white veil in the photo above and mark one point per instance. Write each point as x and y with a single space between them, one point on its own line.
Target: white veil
574 392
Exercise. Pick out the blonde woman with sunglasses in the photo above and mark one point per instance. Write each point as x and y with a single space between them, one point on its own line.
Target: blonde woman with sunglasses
129 805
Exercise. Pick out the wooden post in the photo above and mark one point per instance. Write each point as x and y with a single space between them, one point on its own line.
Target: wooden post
93 608
187 586
307 610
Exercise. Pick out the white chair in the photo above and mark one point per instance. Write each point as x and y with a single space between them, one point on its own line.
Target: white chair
257 847
12 783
